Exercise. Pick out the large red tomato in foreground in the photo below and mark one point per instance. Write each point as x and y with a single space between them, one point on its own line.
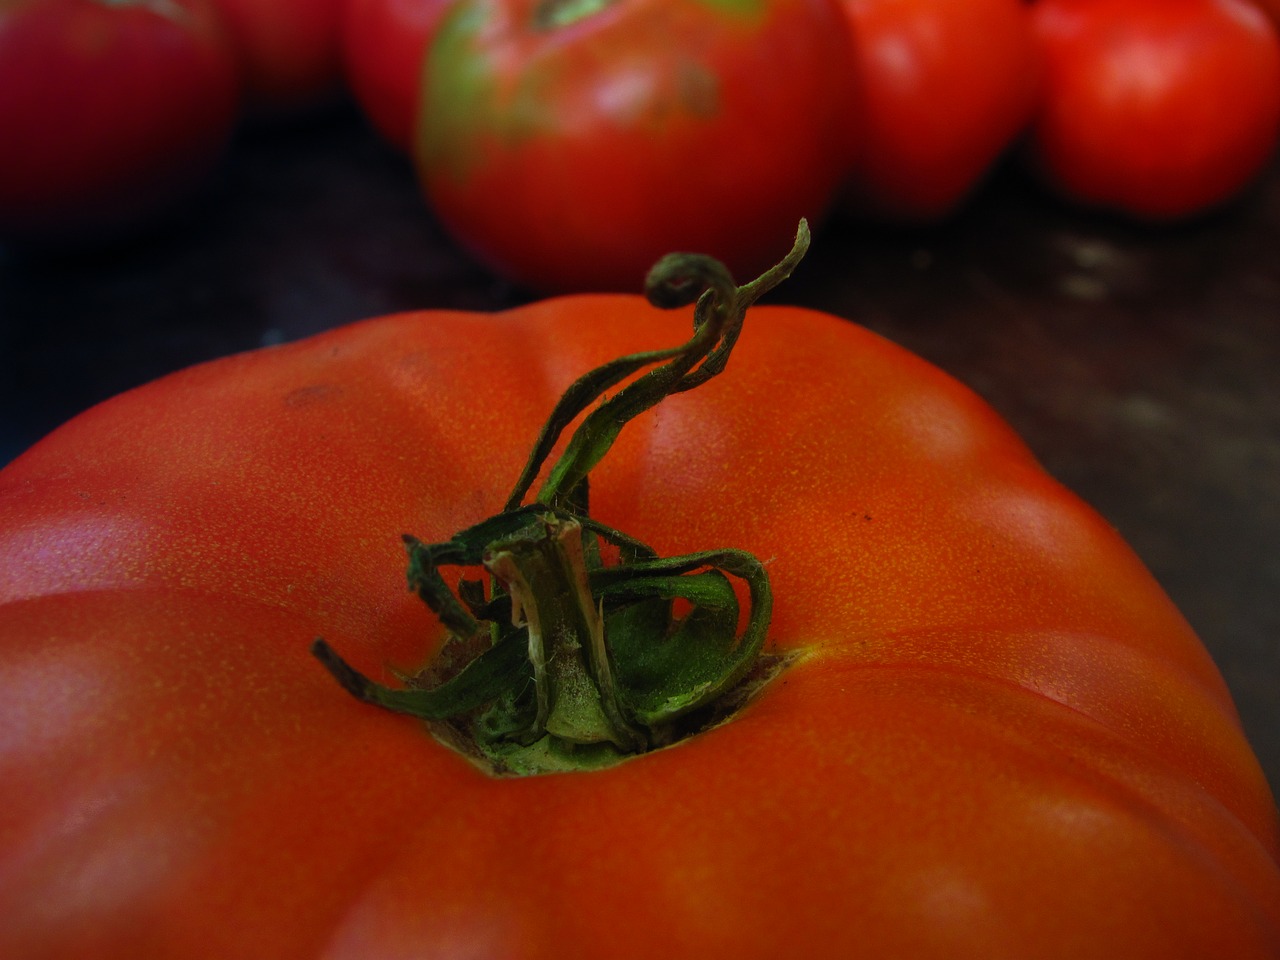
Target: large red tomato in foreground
1157 108
108 110
999 739
570 145
947 85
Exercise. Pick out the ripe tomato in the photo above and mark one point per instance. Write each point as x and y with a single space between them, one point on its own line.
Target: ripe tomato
383 44
1272 7
947 85
569 145
999 737
108 110
289 50
1157 108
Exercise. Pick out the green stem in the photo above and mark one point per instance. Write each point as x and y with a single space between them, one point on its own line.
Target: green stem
552 14
576 698
566 663
677 280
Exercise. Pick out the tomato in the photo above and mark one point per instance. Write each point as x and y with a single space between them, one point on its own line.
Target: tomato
289 50
108 111
997 736
947 86
383 44
1272 7
1156 108
569 145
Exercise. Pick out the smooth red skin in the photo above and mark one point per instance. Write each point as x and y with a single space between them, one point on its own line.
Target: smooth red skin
290 50
947 86
108 111
383 44
1002 741
1160 109
626 157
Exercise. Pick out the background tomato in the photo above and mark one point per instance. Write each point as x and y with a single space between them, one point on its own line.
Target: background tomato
383 43
1272 8
1157 108
1003 740
289 49
108 111
946 86
569 146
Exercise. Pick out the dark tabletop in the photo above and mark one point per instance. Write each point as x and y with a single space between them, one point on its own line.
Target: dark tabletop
1141 365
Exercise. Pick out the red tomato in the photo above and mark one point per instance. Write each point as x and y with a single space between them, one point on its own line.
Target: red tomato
1272 7
108 110
1000 738
383 44
289 50
947 86
1157 108
570 145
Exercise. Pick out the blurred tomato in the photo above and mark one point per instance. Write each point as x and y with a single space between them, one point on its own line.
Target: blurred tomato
947 85
383 42
570 145
1272 7
289 49
109 109
1157 108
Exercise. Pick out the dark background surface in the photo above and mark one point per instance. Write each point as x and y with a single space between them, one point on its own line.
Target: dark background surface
1141 365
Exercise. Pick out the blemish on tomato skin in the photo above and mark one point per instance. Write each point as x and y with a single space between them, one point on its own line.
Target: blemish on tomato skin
312 394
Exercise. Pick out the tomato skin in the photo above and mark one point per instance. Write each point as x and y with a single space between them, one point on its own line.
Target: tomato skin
571 157
383 44
1159 109
1272 8
108 111
289 50
947 86
1004 741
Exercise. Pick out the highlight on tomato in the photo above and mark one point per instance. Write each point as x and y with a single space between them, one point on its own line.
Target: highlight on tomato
568 145
1160 109
947 86
110 111
731 631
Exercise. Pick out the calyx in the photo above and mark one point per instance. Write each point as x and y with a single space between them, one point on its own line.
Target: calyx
555 659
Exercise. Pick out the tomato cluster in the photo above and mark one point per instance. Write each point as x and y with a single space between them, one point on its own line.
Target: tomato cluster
538 120
567 143
961 719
